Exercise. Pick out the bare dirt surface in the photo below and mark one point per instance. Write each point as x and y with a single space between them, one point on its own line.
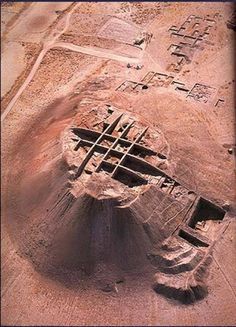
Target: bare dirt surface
118 157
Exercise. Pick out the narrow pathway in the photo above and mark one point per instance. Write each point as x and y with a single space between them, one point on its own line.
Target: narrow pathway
98 52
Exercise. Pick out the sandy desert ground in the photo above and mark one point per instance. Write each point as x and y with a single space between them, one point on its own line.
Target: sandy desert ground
118 163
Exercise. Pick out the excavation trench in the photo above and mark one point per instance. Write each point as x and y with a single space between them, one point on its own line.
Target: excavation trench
86 227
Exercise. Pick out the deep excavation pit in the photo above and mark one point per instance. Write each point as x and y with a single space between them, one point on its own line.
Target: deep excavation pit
100 208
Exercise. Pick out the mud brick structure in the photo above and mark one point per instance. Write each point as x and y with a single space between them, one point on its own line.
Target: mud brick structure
189 36
179 216
201 92
198 92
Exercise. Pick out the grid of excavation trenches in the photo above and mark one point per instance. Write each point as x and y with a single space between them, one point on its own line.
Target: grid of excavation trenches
181 226
117 155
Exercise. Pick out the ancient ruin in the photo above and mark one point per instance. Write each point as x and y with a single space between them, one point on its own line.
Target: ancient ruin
118 155
181 226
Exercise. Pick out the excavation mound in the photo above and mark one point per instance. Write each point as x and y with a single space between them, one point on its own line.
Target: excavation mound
100 203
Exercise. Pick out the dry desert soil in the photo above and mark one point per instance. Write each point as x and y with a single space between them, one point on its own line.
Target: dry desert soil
118 163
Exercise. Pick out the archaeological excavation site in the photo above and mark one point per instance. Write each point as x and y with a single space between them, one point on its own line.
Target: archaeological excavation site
118 164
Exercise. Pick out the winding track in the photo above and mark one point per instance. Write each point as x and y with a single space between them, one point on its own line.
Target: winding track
98 52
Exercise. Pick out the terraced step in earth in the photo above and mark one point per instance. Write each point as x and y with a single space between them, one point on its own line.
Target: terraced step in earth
185 286
184 259
186 264
169 259
182 287
174 244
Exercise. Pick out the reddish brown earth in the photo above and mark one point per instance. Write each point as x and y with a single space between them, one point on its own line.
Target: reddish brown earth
118 156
